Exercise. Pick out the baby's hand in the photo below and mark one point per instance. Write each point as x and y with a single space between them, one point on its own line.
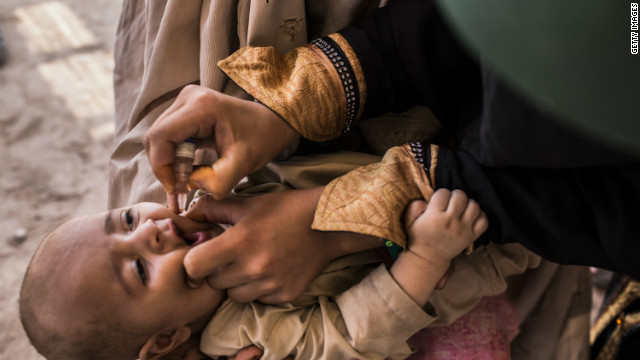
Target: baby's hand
438 232
443 228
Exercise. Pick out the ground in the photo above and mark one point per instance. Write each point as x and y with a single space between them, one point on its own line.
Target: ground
56 123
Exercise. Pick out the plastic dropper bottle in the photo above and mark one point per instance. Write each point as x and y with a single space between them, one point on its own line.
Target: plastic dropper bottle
182 168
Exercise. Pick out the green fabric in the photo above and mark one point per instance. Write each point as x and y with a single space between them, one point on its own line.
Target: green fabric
573 57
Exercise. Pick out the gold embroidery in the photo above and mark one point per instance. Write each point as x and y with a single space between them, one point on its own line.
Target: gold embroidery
301 86
372 199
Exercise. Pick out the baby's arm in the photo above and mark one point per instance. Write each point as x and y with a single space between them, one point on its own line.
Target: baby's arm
438 232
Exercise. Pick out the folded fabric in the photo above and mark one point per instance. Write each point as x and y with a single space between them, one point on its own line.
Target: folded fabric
372 199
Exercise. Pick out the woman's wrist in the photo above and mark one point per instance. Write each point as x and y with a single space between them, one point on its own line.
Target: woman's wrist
349 243
340 243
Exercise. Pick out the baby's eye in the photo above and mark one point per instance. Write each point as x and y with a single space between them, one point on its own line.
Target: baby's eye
142 272
128 219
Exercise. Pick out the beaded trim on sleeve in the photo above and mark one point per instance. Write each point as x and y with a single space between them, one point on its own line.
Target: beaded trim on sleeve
418 152
347 75
427 158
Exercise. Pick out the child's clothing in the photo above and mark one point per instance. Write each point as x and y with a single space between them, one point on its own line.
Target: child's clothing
371 320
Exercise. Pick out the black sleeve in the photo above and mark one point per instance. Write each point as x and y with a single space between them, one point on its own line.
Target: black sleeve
541 183
409 57
513 132
583 216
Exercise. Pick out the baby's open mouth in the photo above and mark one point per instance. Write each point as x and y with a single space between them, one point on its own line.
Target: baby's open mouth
200 237
196 238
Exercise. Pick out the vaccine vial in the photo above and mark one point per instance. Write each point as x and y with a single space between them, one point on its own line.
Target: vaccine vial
182 169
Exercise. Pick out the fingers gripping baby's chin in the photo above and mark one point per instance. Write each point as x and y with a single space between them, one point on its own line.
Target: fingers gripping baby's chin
194 240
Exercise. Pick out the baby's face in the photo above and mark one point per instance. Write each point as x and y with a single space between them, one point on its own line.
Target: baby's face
133 257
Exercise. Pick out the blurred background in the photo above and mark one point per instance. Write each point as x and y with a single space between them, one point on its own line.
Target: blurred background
56 123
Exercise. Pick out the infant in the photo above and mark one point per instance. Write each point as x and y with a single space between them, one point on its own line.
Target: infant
113 285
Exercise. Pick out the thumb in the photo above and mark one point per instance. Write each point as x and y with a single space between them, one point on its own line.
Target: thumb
220 178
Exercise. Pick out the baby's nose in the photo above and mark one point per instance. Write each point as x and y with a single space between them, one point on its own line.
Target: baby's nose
167 237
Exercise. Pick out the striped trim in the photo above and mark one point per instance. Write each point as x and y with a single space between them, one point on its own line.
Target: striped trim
423 157
347 75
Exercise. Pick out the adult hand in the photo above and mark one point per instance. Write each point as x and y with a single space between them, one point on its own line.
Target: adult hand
271 253
245 134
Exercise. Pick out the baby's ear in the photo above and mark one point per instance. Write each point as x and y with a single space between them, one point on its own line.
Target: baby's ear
160 344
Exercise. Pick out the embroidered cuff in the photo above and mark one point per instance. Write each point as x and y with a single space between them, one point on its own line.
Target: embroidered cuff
372 199
319 89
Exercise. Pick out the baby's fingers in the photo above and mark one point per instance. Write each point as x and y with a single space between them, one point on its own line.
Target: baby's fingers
476 218
458 203
471 212
480 225
439 200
